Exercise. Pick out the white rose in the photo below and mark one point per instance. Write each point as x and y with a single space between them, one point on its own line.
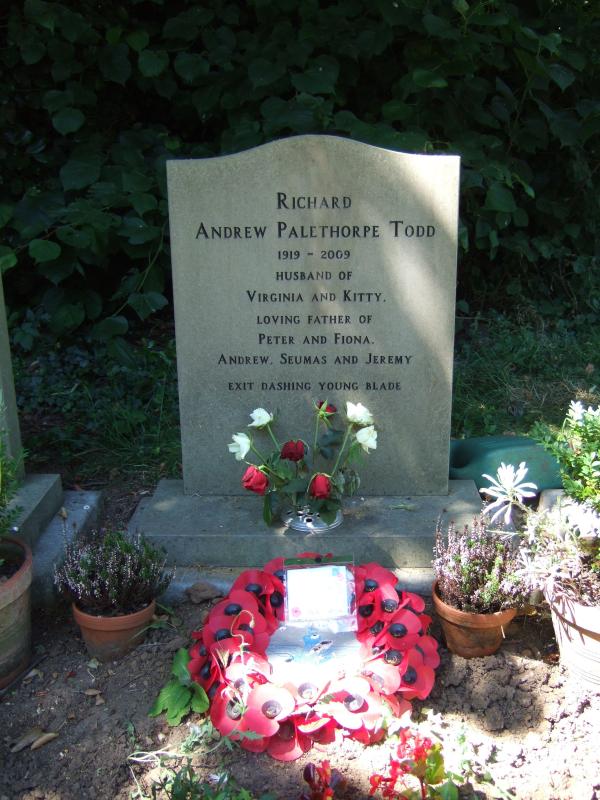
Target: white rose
260 418
240 446
358 414
367 438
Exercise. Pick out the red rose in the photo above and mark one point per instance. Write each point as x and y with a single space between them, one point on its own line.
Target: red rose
329 409
320 487
255 480
293 451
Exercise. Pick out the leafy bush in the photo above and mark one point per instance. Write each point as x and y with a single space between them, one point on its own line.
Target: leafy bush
95 99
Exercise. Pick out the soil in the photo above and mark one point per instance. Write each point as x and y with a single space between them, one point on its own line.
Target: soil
510 723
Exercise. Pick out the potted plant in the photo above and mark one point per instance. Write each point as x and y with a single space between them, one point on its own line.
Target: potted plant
308 480
477 589
112 582
560 546
15 579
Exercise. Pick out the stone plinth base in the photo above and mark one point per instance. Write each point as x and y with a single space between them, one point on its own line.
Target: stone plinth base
229 532
39 498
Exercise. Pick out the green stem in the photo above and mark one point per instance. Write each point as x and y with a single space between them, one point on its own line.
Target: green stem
272 435
314 458
344 443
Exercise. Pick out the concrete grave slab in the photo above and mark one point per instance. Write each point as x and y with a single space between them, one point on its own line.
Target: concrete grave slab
228 532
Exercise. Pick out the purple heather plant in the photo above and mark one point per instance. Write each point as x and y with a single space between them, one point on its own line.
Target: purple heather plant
478 569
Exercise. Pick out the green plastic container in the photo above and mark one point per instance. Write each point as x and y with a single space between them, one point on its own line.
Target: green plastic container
470 458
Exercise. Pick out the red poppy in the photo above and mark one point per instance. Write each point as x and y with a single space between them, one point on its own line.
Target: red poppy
402 632
267 706
372 576
385 677
306 694
413 601
289 743
427 646
416 677
236 602
227 713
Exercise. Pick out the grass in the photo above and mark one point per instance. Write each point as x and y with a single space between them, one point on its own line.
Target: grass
89 416
509 373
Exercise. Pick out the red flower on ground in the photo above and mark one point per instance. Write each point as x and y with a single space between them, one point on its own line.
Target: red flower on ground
293 450
416 677
320 487
254 480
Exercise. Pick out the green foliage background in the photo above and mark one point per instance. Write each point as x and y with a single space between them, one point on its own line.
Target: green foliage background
95 96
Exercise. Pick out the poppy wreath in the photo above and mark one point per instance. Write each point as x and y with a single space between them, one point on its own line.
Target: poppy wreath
228 659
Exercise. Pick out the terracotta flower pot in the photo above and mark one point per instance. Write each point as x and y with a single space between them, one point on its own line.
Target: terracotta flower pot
110 638
577 629
15 613
471 635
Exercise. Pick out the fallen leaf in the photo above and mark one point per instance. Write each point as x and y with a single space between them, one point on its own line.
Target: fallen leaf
71 715
92 692
93 663
44 739
201 591
26 740
34 673
589 369
71 674
100 700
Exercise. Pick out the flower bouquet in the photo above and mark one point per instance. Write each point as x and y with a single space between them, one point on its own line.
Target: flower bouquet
307 479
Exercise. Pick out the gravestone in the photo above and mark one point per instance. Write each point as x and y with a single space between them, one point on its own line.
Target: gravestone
309 268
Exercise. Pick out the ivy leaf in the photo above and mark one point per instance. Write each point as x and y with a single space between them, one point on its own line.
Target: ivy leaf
42 250
190 66
66 318
114 63
147 303
110 327
137 40
41 13
561 76
81 171
262 72
143 202
428 79
152 63
32 50
499 198
319 78
68 120
8 259
6 212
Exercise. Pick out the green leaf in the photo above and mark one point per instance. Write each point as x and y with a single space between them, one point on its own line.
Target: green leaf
110 327
180 666
81 171
319 78
74 237
499 198
428 79
41 13
561 76
114 63
6 212
32 50
120 349
262 72
66 318
447 791
68 120
146 303
42 250
200 701
8 259
190 66
152 63
268 509
143 202
92 303
137 40
174 699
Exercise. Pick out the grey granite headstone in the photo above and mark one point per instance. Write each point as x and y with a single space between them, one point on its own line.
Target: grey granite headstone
309 268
